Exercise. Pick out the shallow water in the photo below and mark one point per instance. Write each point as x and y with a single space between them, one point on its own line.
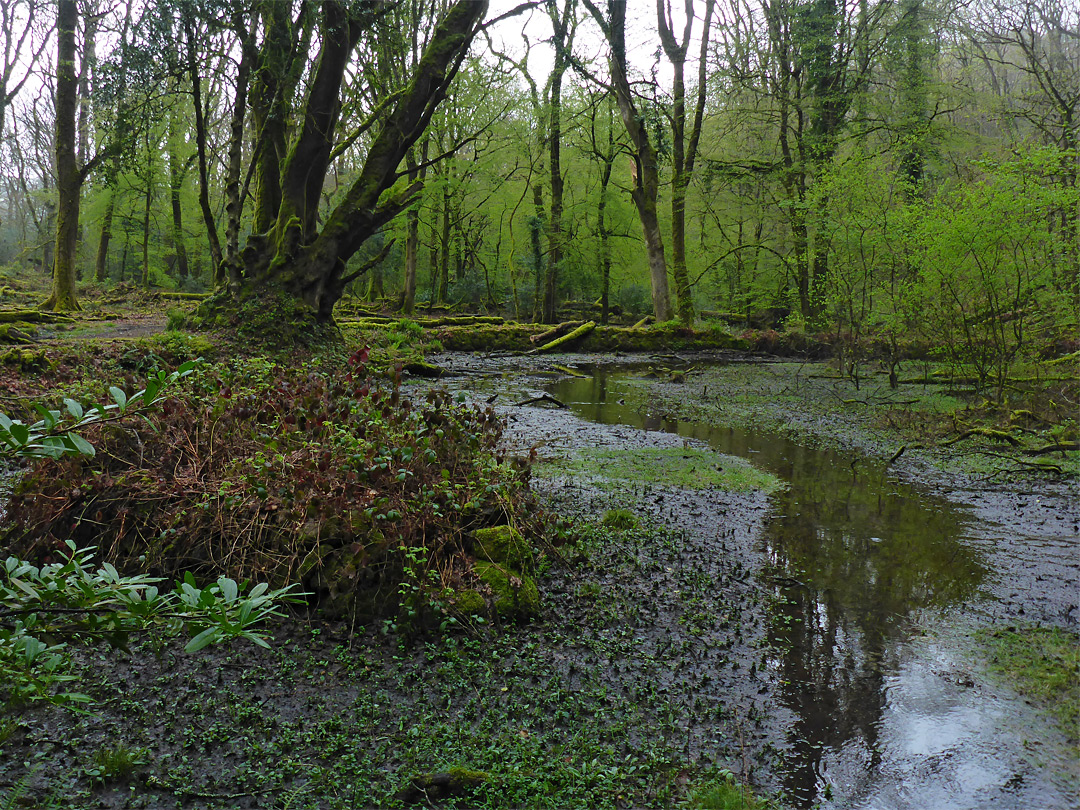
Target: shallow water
862 567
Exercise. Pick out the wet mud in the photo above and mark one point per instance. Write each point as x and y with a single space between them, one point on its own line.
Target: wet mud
868 581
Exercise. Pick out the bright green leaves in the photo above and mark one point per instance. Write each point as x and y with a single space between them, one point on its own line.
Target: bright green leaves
41 608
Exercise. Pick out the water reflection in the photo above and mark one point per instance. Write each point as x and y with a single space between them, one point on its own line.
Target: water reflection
855 554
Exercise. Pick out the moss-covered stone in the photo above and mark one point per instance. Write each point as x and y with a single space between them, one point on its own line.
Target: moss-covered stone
504 545
27 359
515 595
428 788
469 602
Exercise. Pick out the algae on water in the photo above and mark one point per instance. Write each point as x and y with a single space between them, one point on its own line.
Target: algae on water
687 467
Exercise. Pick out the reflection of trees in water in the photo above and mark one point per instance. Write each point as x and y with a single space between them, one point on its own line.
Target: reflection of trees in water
868 551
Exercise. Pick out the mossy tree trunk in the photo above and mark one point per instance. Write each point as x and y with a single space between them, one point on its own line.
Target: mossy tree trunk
562 38
101 263
69 179
646 172
289 253
209 221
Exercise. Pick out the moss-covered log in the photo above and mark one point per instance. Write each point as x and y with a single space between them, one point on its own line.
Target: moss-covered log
569 339
556 332
516 337
184 296
31 316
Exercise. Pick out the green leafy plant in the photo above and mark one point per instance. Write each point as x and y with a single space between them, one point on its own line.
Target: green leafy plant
287 475
43 608
116 762
54 434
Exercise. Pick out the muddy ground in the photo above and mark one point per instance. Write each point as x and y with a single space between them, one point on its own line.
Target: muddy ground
705 640
927 718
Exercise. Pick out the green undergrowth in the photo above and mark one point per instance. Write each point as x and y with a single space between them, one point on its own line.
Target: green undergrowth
591 706
325 474
401 341
724 792
1042 664
686 467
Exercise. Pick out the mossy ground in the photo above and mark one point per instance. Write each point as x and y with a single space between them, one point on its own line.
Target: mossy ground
689 467
814 404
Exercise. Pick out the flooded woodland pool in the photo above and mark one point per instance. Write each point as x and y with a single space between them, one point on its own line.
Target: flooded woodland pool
869 633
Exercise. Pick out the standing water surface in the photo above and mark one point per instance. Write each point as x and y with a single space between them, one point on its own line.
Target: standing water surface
888 717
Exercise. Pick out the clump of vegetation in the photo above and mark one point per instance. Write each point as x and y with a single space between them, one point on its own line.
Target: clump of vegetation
1041 663
335 479
725 793
116 762
619 519
690 467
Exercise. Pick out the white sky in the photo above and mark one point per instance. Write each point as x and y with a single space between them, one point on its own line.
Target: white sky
642 39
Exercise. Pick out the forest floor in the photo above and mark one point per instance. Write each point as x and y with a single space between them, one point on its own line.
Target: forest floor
695 634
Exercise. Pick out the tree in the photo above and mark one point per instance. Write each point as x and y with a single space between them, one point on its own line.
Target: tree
563 28
683 153
1040 39
290 254
18 51
69 175
646 175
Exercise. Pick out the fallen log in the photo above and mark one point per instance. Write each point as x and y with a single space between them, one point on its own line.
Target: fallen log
570 371
565 340
986 433
1062 447
555 332
184 296
31 316
421 369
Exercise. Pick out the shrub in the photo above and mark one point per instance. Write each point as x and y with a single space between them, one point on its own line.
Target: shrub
337 480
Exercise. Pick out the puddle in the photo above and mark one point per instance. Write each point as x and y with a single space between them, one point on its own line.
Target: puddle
887 715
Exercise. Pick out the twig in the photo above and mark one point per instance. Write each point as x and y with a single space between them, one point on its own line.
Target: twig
542 398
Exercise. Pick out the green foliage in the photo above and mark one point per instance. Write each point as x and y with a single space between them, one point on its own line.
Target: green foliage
691 467
54 434
619 519
990 277
281 474
116 762
43 606
725 793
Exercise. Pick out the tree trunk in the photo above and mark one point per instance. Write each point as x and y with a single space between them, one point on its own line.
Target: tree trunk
682 156
234 201
605 240
148 200
101 263
69 179
176 181
200 146
646 175
444 240
412 238
562 24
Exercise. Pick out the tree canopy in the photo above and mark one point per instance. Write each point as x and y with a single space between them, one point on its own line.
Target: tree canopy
768 160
